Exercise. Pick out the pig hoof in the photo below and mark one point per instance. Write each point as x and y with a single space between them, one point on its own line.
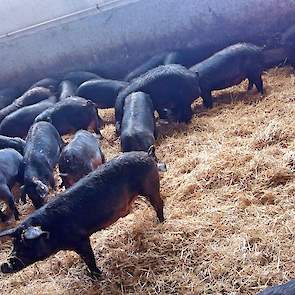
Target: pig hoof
118 129
161 218
96 274
5 268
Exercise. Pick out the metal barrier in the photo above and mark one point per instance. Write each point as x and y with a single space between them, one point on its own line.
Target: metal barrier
115 36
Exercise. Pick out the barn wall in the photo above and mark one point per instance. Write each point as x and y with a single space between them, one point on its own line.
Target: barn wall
115 36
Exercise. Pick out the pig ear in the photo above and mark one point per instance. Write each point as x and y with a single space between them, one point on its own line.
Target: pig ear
90 104
152 151
9 232
34 232
48 119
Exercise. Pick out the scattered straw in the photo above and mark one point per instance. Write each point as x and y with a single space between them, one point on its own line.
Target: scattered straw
229 204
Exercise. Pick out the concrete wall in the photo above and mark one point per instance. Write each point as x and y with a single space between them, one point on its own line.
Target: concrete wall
118 35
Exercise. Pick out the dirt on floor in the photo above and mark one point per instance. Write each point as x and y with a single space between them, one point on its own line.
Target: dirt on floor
229 204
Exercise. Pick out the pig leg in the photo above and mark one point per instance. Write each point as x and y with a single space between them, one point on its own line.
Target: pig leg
13 208
163 114
207 99
119 110
85 251
155 130
182 112
152 192
257 80
118 128
3 217
52 182
185 114
96 124
63 184
259 84
103 157
250 85
23 195
8 198
157 203
37 201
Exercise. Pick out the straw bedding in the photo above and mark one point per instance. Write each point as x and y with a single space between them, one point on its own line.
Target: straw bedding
229 204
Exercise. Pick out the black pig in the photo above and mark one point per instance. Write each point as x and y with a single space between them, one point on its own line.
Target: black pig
80 77
172 87
19 122
138 131
11 171
15 143
48 83
30 97
230 67
72 114
92 204
41 154
7 96
285 289
183 56
101 91
81 156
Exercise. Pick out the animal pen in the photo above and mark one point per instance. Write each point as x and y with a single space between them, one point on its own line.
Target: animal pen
229 191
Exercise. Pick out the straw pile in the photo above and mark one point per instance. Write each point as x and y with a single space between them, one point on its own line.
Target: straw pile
229 204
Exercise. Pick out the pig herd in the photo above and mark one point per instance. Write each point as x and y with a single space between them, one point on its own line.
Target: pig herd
99 192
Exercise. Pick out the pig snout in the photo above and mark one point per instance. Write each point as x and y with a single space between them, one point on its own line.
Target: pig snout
6 267
67 180
13 264
162 167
